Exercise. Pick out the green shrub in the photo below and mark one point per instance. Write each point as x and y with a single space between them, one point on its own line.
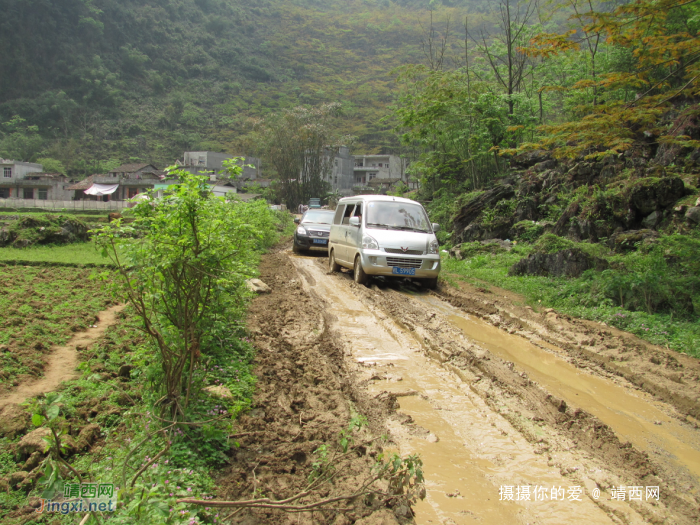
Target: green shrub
550 243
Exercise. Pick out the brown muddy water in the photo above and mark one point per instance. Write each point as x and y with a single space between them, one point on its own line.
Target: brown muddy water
469 451
633 415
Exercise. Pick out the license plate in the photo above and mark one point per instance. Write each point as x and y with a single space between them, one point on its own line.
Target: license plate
403 271
320 241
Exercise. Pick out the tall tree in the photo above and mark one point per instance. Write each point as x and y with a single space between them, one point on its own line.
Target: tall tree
503 50
299 143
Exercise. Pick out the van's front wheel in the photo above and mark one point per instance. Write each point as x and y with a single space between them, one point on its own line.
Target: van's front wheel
332 265
431 283
360 275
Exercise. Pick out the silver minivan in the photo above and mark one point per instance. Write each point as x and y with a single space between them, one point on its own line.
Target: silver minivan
383 235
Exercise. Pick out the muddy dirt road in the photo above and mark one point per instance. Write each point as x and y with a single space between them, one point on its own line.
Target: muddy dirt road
519 416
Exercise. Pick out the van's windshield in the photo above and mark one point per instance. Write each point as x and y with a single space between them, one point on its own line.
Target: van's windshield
392 215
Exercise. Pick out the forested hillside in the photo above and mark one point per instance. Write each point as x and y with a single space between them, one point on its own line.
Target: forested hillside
97 82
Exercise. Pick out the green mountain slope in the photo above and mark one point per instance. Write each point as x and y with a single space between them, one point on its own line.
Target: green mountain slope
125 79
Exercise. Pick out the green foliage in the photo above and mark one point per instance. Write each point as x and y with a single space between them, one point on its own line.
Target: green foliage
52 165
184 275
653 292
77 254
550 243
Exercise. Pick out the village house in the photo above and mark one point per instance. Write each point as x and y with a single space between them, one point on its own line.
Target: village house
379 170
27 180
119 184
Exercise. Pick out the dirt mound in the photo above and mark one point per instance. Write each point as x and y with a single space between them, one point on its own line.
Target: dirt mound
304 397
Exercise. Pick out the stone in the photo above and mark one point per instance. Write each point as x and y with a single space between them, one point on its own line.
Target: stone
652 194
219 391
693 214
257 286
529 159
545 165
570 263
621 241
14 420
463 227
432 438
652 220
34 442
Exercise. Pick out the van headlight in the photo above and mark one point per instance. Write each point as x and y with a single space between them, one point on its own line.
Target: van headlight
368 243
301 230
434 246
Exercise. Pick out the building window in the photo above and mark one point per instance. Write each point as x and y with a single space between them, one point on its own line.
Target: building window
4 193
133 192
7 173
43 194
372 175
28 193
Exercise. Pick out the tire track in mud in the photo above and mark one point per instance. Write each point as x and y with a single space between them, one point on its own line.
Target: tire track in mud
551 440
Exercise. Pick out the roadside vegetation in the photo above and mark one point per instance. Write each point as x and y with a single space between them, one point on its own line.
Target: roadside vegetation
78 254
130 405
653 293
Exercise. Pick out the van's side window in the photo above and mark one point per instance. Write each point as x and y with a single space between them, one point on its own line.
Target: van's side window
358 211
348 213
338 214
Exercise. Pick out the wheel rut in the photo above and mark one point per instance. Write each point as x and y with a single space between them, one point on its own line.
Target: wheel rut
487 410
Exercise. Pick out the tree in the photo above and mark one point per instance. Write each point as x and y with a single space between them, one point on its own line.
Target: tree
504 50
662 39
300 144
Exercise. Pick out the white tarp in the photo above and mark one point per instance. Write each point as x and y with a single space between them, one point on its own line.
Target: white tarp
101 189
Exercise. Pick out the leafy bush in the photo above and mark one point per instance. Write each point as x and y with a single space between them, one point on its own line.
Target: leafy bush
184 276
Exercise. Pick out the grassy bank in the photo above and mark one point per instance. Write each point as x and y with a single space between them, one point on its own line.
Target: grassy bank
66 254
652 293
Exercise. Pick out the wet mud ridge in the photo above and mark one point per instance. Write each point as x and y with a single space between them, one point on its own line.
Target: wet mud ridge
305 396
513 426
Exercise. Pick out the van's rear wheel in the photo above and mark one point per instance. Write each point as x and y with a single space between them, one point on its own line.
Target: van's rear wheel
332 265
360 275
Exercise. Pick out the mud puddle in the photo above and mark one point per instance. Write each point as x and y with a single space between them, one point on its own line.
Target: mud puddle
469 451
634 415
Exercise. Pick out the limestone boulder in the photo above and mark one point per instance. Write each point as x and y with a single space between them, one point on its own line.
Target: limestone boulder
565 263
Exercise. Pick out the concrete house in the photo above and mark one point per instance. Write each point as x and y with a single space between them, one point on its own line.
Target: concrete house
390 169
27 180
201 161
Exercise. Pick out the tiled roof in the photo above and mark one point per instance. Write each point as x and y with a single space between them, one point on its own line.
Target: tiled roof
131 168
82 185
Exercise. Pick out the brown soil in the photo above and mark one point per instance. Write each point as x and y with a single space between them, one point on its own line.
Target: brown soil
489 393
305 396
62 361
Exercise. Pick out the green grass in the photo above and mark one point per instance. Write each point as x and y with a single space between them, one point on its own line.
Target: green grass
67 254
577 297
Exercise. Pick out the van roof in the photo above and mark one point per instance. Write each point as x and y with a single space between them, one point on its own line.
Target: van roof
368 198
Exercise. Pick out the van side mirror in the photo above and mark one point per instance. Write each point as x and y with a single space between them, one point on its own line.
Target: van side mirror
354 221
296 220
436 227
